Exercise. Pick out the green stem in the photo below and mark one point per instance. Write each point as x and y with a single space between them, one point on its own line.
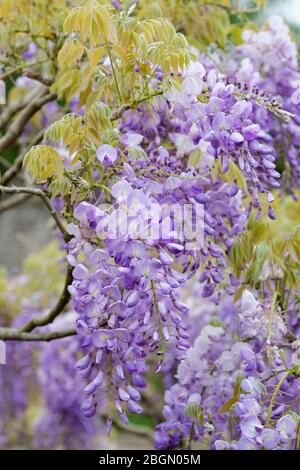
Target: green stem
147 82
273 306
160 327
20 67
275 393
146 98
191 436
297 435
114 72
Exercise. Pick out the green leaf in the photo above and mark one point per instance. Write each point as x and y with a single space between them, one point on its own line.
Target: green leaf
137 153
194 410
236 394
59 187
42 161
64 129
70 53
92 21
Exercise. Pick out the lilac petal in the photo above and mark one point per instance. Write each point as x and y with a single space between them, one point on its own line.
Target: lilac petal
83 362
98 379
87 404
123 395
250 425
80 272
90 388
106 154
134 407
100 339
237 137
269 438
91 412
132 299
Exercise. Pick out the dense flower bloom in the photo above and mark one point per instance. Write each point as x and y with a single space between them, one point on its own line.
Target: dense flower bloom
223 377
165 205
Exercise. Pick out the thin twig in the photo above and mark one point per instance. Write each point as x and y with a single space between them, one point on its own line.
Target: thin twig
274 395
17 126
40 193
15 334
4 162
119 112
18 334
11 71
54 312
14 201
39 78
16 106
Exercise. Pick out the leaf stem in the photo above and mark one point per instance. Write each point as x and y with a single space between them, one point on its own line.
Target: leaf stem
160 327
274 395
114 72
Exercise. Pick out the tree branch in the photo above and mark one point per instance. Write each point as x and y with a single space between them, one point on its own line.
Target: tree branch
16 334
50 317
40 193
17 105
39 78
16 127
16 167
14 201
10 72
4 162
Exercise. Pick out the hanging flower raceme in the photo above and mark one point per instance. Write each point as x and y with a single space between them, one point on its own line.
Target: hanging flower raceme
126 272
269 66
253 379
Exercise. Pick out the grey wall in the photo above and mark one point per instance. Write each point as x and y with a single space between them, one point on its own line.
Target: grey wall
23 230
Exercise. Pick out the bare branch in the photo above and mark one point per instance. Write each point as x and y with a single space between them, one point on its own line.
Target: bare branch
15 334
16 127
10 72
40 193
62 302
4 162
16 106
14 201
17 166
39 78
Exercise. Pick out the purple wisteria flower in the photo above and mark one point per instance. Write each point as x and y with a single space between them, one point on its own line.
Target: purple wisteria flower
106 154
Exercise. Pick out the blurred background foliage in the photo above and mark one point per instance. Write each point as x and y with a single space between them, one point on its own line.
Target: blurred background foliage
289 10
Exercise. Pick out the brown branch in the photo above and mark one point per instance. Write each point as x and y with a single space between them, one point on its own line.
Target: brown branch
50 317
14 201
17 166
16 106
18 334
15 334
39 78
118 112
10 72
16 127
65 295
40 193
4 162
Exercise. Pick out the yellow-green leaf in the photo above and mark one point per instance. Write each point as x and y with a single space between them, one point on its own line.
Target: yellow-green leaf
43 161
